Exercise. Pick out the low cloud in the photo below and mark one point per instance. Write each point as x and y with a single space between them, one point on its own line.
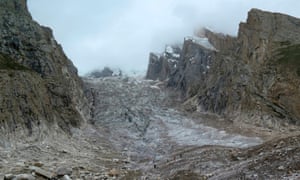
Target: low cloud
121 34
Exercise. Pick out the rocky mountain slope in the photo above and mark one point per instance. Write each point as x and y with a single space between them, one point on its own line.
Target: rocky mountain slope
253 77
44 112
40 89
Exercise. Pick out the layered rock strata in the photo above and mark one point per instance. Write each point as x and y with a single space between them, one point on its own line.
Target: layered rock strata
253 77
40 89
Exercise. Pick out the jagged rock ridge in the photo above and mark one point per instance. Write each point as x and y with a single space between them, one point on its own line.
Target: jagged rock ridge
161 65
253 77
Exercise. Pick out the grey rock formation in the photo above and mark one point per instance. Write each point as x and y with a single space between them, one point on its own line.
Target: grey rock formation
192 68
253 77
40 88
66 177
61 171
269 51
161 66
24 177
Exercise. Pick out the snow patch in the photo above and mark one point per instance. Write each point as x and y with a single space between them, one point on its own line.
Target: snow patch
155 87
176 55
203 41
169 49
172 60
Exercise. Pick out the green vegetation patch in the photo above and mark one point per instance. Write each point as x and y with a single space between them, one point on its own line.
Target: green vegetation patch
290 56
7 63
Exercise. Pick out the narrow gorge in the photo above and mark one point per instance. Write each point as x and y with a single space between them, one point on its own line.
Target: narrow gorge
213 107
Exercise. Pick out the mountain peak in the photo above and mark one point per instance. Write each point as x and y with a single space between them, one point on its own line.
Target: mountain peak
269 25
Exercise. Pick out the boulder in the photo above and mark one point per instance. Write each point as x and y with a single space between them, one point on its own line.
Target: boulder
24 177
9 177
65 177
41 172
61 171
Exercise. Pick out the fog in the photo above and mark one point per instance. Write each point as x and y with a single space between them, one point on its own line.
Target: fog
120 34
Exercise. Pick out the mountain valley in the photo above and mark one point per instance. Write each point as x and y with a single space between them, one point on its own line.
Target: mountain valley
214 107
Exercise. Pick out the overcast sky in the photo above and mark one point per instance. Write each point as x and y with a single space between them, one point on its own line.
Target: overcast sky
121 33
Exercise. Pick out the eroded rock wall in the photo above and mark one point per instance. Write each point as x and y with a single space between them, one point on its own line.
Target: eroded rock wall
269 47
161 66
40 88
253 77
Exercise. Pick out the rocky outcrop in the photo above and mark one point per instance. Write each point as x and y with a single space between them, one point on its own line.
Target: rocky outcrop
161 66
253 77
269 43
194 64
218 40
40 88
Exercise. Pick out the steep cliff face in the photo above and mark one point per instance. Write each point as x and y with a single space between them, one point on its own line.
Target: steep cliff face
40 88
253 77
269 48
194 64
161 66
